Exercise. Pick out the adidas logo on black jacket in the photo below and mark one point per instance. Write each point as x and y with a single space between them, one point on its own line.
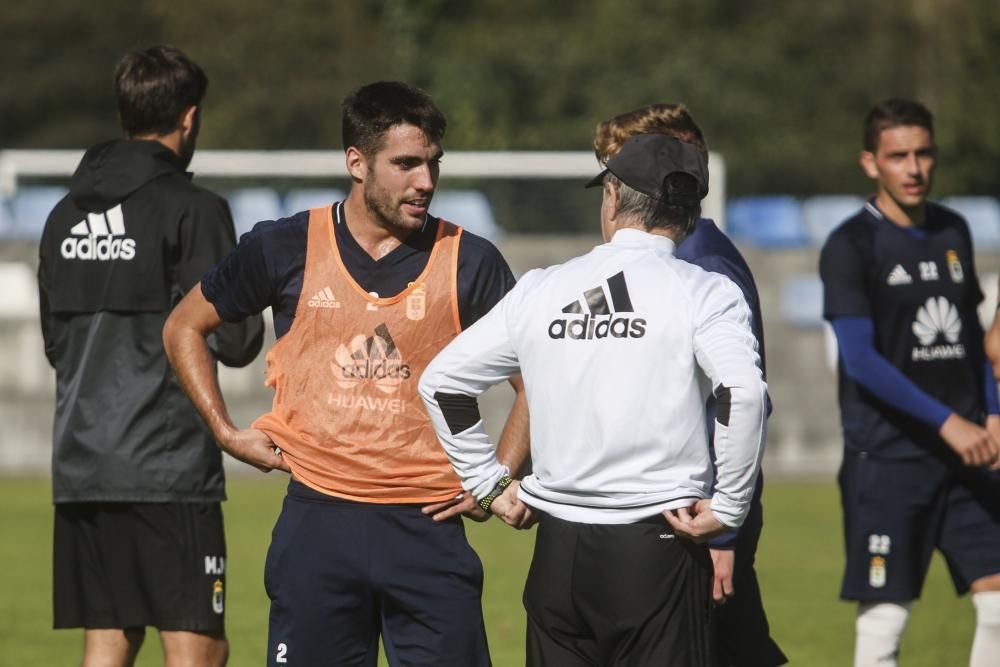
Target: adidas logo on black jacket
117 253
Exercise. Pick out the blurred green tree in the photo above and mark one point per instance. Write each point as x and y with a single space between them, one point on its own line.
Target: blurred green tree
780 87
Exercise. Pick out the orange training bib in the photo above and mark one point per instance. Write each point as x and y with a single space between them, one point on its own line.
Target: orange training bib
346 411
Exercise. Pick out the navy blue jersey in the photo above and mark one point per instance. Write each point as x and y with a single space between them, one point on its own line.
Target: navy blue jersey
266 269
919 288
706 246
713 251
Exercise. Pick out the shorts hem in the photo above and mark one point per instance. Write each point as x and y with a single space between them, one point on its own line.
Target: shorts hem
847 597
164 626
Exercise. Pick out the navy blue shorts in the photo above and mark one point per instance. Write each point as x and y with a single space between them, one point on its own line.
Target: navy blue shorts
897 511
342 573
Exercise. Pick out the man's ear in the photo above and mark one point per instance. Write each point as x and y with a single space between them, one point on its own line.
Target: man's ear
868 164
189 121
357 164
611 192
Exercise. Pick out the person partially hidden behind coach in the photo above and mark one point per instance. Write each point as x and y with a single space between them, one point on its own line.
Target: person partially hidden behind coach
742 633
137 480
612 346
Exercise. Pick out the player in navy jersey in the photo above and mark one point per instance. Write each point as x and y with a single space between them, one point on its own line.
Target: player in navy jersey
917 396
364 293
742 632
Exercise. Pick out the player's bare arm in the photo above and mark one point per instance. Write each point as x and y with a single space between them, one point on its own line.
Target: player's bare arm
992 344
514 451
993 427
185 341
514 448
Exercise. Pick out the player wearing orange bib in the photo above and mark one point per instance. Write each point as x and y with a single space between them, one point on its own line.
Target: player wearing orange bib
364 294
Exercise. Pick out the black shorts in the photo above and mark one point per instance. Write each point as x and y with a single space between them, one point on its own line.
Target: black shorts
897 511
621 594
130 565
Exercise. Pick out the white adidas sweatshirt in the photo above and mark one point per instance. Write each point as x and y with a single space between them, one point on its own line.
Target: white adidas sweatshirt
617 349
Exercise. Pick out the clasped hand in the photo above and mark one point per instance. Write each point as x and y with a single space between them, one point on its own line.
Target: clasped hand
507 506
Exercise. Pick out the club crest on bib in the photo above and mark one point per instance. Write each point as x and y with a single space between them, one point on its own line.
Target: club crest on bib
416 304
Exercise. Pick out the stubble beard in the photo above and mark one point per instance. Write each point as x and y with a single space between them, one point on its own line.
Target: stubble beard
386 212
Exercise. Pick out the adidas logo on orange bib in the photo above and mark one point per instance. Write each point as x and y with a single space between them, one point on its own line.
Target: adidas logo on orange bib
99 238
371 359
323 299
600 322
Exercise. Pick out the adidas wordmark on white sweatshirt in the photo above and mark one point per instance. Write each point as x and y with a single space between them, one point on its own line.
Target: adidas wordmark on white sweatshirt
617 349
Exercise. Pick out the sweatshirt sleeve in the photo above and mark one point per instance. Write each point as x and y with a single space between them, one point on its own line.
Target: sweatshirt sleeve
726 351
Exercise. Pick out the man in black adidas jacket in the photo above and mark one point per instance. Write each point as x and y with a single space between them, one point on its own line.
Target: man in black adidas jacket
137 479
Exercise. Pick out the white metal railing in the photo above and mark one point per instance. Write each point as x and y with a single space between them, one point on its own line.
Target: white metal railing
18 164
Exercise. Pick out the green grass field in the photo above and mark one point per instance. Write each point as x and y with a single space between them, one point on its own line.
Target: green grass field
799 565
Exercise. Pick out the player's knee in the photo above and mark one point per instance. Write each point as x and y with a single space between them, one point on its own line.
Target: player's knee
111 646
194 648
218 652
987 584
882 619
987 604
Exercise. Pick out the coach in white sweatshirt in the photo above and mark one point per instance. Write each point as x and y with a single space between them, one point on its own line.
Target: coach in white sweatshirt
617 349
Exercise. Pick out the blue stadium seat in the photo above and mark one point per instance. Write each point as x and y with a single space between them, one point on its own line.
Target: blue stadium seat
251 205
802 301
767 221
6 220
30 207
983 216
824 213
468 208
307 198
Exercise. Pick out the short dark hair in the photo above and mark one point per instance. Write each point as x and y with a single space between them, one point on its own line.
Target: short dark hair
372 110
895 112
154 87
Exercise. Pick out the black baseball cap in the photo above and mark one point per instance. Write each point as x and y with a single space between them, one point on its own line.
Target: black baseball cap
645 161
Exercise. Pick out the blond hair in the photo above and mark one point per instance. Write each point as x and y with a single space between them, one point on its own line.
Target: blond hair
670 119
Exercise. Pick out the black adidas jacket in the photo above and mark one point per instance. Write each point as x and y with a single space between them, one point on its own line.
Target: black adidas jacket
117 254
